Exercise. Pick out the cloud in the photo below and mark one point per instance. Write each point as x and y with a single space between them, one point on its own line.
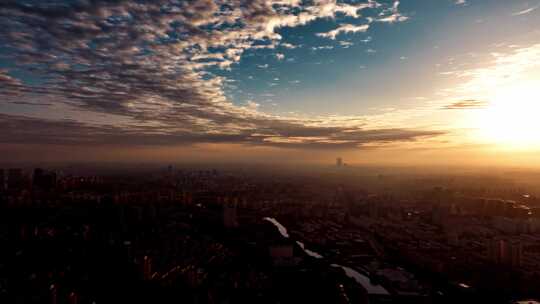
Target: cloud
271 132
504 70
346 44
288 45
460 2
10 86
252 105
344 28
526 11
322 47
150 65
466 105
390 15
6 79
396 17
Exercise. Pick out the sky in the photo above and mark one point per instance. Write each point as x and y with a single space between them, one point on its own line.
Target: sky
409 82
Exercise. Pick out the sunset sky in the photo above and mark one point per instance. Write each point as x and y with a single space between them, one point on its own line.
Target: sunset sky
416 81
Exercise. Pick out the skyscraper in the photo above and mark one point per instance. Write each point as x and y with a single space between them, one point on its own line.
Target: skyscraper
15 178
2 180
504 251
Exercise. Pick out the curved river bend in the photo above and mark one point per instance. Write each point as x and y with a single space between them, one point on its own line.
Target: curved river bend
361 279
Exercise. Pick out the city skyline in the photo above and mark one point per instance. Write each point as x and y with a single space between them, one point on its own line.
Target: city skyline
445 82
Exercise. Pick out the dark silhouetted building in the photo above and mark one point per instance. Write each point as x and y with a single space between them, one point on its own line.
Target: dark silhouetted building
44 180
2 180
15 179
147 267
230 219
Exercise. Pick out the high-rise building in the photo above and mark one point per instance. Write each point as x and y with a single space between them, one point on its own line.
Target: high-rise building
15 178
339 162
497 250
516 254
2 180
54 293
73 298
44 180
147 267
504 251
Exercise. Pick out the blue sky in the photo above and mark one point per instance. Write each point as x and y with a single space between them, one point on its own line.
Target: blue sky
313 75
347 67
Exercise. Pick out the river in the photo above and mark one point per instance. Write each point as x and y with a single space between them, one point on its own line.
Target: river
361 279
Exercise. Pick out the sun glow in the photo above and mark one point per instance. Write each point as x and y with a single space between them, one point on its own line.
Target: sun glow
512 119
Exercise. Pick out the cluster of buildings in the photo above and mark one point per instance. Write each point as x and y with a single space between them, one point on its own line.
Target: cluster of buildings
220 236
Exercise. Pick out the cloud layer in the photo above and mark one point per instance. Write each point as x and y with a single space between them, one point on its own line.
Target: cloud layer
150 63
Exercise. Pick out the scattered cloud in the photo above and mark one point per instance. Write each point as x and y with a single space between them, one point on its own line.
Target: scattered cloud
344 28
393 18
390 15
346 44
466 105
526 11
288 45
504 69
322 47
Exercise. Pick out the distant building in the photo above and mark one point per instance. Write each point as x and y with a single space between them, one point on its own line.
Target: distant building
73 298
147 267
44 180
15 178
54 294
516 254
282 254
282 251
339 162
230 217
505 252
497 250
2 180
